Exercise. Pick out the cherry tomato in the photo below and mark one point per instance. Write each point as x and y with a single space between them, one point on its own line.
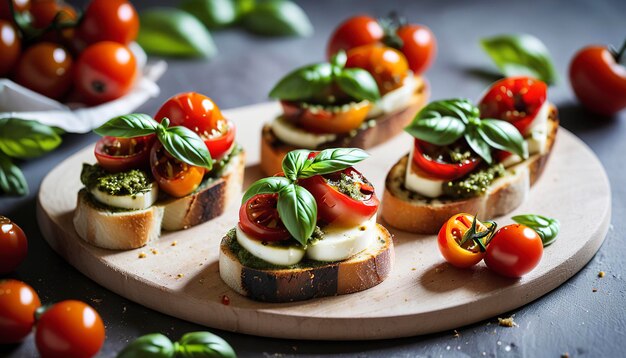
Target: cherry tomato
18 302
69 329
258 217
122 154
337 208
449 239
599 80
13 245
355 31
109 20
514 251
516 100
173 176
388 66
44 12
200 114
326 120
19 6
105 71
9 47
419 46
425 157
45 68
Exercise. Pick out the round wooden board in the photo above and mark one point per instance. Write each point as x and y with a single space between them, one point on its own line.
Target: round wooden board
422 295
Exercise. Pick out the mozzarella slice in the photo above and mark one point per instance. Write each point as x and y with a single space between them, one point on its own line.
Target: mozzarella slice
395 100
133 202
293 135
419 183
272 253
341 243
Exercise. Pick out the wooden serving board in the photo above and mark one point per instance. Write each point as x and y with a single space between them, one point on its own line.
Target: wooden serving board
422 295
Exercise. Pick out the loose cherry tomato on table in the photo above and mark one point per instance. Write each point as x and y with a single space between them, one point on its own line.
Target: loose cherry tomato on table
109 20
200 114
388 66
514 250
105 71
258 217
9 47
430 159
18 302
458 240
19 6
322 120
69 329
120 154
13 245
598 78
45 68
173 176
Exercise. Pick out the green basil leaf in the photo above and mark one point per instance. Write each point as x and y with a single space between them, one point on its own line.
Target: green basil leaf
270 185
173 32
456 107
130 125
547 228
204 345
339 59
212 13
21 138
298 211
478 144
277 18
294 162
153 345
503 135
520 55
185 145
12 179
358 84
304 83
332 160
437 130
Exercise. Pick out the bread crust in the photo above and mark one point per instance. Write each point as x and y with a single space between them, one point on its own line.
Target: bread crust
424 216
365 270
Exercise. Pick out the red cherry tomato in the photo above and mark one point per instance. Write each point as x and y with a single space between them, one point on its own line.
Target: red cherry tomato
69 329
105 71
355 31
122 154
173 176
19 6
200 114
388 66
449 239
516 100
44 12
9 47
13 245
599 80
45 68
109 20
425 157
419 46
258 217
320 120
514 251
18 302
337 208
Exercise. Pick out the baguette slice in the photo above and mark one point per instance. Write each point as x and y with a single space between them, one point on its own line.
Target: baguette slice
364 270
273 150
411 212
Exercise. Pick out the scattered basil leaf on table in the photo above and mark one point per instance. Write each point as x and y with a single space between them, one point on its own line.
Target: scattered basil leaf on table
546 227
212 13
20 138
174 32
12 179
298 211
269 185
520 55
203 344
153 345
277 18
303 83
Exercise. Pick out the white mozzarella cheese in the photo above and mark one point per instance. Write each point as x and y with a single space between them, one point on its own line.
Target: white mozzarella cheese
395 100
537 133
341 243
274 254
134 202
299 137
420 184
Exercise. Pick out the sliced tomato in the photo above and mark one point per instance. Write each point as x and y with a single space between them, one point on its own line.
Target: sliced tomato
450 237
173 176
121 154
337 208
516 100
258 217
340 119
437 167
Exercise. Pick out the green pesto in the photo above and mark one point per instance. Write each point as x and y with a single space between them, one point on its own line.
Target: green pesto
220 165
349 185
131 182
457 155
475 184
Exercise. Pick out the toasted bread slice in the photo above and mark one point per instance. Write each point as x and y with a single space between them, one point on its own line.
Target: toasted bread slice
362 271
273 150
411 212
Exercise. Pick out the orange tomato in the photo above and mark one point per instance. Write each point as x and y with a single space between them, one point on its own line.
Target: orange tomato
449 239
45 68
337 119
173 176
18 302
388 66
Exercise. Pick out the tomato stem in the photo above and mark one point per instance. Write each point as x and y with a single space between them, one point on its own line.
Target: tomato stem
390 24
619 53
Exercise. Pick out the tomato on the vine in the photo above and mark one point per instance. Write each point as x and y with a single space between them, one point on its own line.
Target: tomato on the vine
45 68
13 245
258 217
387 65
109 20
200 114
355 31
430 159
514 250
69 329
173 176
10 45
419 46
44 12
456 244
120 154
18 302
322 120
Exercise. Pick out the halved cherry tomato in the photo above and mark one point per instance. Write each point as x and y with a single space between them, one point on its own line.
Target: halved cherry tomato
9 47
69 329
200 114
19 6
337 208
514 251
122 154
516 100
13 245
437 167
45 68
450 237
320 119
419 46
109 20
388 66
173 176
258 217
18 302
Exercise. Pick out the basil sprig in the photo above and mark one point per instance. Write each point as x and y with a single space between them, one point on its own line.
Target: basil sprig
191 345
520 55
546 227
181 142
296 205
446 121
310 82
